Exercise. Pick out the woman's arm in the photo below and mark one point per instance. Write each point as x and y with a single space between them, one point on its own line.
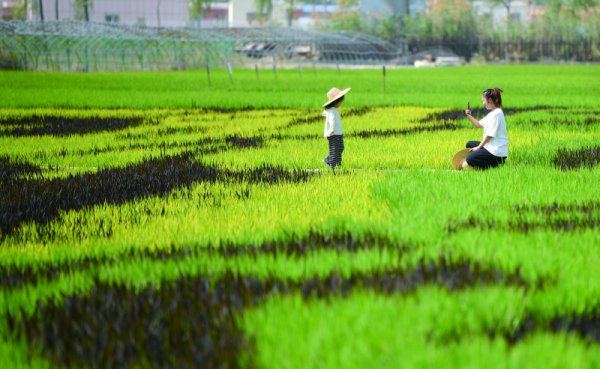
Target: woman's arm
474 121
486 139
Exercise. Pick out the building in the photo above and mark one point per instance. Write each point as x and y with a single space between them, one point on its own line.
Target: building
380 8
520 10
174 13
241 13
6 11
152 13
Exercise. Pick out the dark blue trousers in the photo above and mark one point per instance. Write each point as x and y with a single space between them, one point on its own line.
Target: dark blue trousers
336 148
482 158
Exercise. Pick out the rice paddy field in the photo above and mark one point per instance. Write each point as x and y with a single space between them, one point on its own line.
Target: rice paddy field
185 220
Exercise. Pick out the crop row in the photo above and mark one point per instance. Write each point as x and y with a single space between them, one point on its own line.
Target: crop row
16 276
11 169
404 132
41 200
529 218
116 326
205 146
162 132
479 112
180 135
55 125
175 230
569 159
588 207
39 125
524 85
587 325
266 131
352 112
545 116
365 134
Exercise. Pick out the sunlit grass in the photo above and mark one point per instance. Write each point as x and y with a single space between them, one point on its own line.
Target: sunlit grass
396 194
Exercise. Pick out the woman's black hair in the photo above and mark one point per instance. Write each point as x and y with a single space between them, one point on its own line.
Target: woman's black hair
494 95
331 104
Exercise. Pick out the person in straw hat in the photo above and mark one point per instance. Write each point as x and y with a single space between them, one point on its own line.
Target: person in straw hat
333 126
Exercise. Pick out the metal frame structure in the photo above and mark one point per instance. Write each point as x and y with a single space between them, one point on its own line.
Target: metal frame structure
85 46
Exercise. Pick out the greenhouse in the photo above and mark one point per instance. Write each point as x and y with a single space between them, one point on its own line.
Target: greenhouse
84 46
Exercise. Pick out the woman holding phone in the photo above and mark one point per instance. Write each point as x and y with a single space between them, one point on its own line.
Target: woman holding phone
493 149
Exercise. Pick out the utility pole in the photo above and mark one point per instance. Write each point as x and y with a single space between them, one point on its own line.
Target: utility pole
56 9
41 10
290 12
158 13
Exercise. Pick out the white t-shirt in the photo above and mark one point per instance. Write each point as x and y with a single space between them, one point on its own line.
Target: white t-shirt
494 126
333 122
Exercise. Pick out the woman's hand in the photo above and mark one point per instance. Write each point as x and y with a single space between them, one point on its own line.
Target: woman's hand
475 148
468 112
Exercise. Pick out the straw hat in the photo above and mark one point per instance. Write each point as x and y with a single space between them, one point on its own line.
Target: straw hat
459 157
335 94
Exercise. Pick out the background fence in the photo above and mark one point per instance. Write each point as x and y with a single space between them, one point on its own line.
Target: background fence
584 50
88 46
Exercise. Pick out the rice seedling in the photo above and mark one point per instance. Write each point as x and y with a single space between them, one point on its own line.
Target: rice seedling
569 86
431 328
152 224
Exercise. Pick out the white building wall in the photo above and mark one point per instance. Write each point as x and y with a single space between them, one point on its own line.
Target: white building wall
170 13
174 13
143 12
518 10
238 12
5 8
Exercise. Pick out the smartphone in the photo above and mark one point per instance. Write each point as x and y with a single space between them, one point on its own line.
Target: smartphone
469 105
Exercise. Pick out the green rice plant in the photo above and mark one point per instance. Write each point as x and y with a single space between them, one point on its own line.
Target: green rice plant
19 355
525 86
431 328
150 190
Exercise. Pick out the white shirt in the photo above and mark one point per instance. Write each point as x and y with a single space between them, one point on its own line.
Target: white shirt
333 122
494 126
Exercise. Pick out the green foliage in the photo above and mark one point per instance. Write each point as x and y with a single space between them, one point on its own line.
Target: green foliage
455 21
408 332
447 20
574 86
82 9
264 8
197 8
20 9
396 260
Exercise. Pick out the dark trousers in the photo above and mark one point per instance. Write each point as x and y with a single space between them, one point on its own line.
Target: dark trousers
482 158
336 148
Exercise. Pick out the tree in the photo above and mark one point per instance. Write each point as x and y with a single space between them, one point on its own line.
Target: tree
41 8
197 8
20 9
264 8
506 4
290 12
158 13
82 9
568 20
399 6
344 19
392 27
571 6
36 7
